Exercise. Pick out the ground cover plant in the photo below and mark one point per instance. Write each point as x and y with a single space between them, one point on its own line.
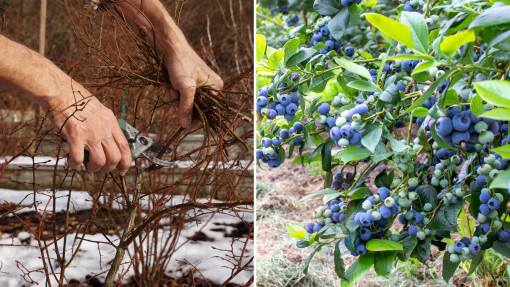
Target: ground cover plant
417 87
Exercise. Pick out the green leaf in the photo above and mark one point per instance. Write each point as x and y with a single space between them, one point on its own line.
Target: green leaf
326 7
412 57
372 137
275 60
315 152
452 43
408 243
339 24
494 92
446 217
391 28
352 153
492 16
422 250
318 83
339 262
502 180
448 267
477 106
291 227
383 245
313 105
301 56
357 270
364 86
326 155
320 192
426 194
420 112
496 114
428 92
307 263
331 196
290 49
396 146
261 46
353 207
419 30
504 151
353 67
384 262
357 193
424 67
475 262
281 155
502 249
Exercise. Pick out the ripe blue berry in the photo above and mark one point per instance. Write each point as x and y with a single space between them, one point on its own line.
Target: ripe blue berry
335 133
361 109
366 219
317 228
504 236
349 51
346 131
284 134
365 234
274 163
276 141
385 211
407 65
323 109
280 109
298 141
361 249
291 108
458 246
413 230
418 217
383 192
484 197
484 209
459 137
324 30
309 227
493 203
284 99
474 248
461 121
266 142
298 127
355 139
481 181
261 101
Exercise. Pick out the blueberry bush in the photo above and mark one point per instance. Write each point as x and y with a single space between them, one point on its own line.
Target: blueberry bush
419 87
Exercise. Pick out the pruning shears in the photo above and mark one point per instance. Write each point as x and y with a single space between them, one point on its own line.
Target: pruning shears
140 145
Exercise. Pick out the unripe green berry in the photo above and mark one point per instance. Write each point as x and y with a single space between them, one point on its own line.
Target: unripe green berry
420 235
413 182
327 213
481 218
328 221
481 126
499 197
497 225
389 202
321 221
376 215
427 207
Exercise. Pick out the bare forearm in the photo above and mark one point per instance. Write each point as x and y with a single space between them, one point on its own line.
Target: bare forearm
27 73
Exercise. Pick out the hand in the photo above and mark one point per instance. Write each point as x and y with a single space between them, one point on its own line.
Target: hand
88 123
187 72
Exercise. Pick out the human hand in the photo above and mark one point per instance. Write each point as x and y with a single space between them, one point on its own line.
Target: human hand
187 72
88 123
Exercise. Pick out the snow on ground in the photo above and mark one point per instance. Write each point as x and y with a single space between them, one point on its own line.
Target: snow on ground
88 260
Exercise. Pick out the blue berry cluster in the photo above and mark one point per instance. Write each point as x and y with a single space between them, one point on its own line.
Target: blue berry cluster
464 249
488 211
282 104
333 212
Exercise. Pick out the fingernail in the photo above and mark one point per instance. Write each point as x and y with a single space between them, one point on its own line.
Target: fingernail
122 172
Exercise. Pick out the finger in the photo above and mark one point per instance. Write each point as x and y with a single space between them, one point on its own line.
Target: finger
187 96
217 82
112 154
97 158
76 153
174 95
125 151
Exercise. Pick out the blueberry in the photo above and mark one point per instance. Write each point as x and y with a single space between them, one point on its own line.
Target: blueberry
385 211
408 8
274 163
317 228
444 126
330 44
383 192
493 203
486 226
298 141
365 234
461 121
474 248
355 139
349 51
504 235
323 109
361 109
418 217
271 115
323 51
291 108
484 209
347 3
335 216
259 154
276 141
284 134
335 208
484 197
413 230
261 101
458 246
284 99
366 219
289 117
309 227
266 142
407 65
481 181
335 133
298 127
346 131
330 122
324 30
294 98
361 249
443 153
402 219
459 137
280 109
294 76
